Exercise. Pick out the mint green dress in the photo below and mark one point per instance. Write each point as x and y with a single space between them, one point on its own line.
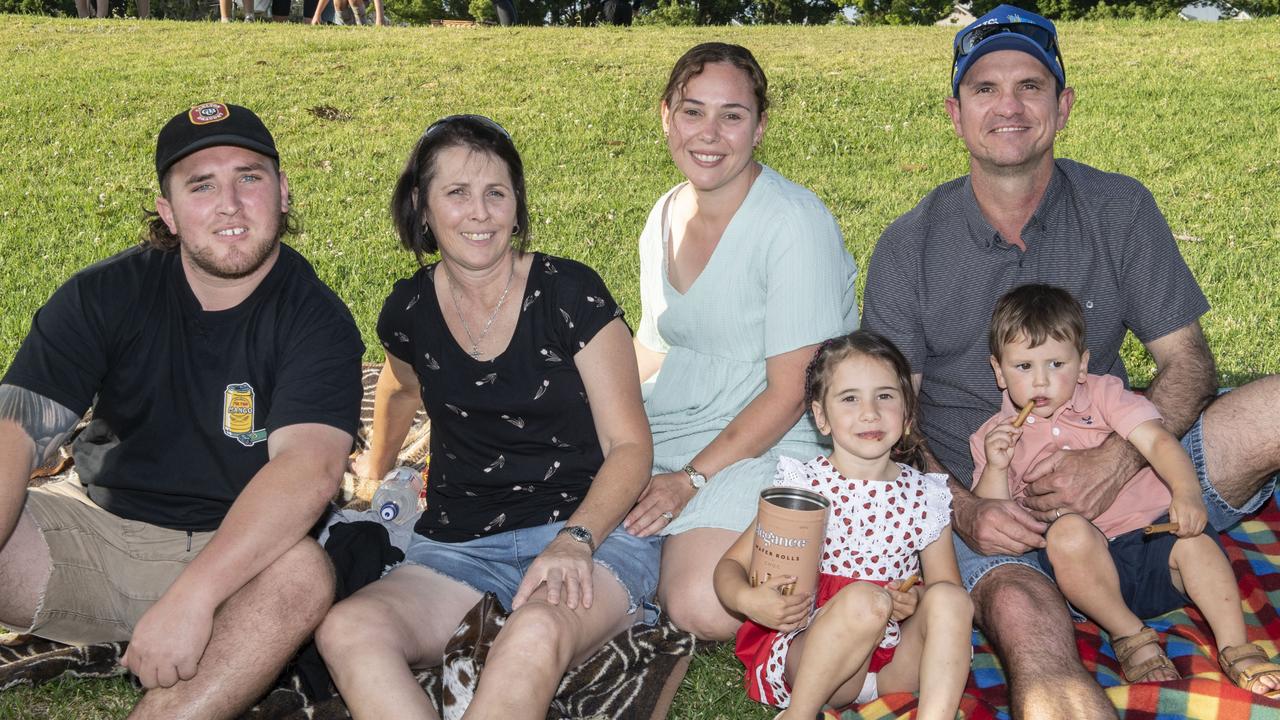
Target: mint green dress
779 279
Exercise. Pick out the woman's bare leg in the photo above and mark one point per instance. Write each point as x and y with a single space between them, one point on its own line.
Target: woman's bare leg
539 643
684 587
371 640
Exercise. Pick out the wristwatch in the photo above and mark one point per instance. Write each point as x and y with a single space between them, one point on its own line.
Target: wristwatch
697 479
581 534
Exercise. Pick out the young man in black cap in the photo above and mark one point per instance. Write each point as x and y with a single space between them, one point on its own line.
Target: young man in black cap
224 378
1022 216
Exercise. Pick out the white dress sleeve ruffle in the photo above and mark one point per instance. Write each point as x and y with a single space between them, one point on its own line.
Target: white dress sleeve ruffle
937 501
793 473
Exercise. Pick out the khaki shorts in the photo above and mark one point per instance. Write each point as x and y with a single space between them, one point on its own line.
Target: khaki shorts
107 571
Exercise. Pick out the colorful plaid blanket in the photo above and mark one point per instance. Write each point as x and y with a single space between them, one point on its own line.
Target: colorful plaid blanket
1203 693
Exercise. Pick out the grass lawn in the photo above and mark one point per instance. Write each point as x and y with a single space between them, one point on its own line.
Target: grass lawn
1191 109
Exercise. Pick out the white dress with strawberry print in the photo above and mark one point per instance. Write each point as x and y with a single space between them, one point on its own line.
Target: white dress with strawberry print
876 528
875 532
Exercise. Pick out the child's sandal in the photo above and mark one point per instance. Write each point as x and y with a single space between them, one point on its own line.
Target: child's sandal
1126 646
1247 677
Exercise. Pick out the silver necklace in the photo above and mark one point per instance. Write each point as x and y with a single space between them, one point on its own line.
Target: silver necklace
453 292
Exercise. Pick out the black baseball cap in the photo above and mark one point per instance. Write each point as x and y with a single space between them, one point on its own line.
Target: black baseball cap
207 125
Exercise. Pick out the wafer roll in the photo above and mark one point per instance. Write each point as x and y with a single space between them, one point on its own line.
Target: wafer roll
1022 416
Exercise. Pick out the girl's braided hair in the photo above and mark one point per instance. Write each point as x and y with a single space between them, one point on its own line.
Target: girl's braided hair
910 447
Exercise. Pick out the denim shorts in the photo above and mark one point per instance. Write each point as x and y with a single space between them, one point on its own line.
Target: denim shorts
1222 516
497 563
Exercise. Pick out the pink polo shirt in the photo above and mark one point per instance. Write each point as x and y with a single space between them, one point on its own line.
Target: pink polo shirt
1099 406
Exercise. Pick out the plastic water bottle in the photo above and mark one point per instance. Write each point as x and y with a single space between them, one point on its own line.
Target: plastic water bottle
396 500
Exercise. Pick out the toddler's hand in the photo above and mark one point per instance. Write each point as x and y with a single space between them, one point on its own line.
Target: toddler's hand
766 605
1187 509
904 603
999 443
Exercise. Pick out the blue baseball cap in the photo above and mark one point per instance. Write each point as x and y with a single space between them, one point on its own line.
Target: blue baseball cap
1007 28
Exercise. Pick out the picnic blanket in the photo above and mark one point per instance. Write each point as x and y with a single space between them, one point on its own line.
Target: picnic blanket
1203 693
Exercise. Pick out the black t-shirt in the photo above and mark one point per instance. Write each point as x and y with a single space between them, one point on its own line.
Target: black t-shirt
513 444
185 398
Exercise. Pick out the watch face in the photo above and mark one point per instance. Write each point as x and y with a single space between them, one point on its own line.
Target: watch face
698 479
581 534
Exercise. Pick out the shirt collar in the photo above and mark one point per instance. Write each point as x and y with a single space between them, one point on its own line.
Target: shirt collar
1080 402
985 236
1050 200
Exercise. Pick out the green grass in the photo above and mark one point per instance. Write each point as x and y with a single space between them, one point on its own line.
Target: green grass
69 699
1190 109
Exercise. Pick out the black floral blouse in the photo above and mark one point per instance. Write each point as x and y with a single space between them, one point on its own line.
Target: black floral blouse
513 444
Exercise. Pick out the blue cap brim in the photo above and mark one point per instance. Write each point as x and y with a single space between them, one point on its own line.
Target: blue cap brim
1006 41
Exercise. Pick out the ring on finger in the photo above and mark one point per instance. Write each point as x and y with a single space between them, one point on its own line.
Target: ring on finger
668 515
1057 512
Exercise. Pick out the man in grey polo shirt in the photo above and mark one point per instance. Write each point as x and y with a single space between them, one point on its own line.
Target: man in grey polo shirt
1022 216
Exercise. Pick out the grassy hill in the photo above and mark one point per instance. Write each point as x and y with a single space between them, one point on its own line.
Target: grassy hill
1193 110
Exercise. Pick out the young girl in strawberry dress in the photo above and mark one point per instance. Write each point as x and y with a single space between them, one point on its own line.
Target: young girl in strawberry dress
859 635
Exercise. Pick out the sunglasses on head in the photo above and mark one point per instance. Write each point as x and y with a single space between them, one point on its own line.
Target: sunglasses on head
452 119
1039 35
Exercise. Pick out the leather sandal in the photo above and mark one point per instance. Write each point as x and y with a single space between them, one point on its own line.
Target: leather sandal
1126 646
1247 677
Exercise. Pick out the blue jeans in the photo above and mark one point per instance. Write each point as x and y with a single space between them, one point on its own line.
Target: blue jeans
1222 516
497 563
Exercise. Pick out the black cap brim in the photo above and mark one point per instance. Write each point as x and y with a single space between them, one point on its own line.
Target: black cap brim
214 141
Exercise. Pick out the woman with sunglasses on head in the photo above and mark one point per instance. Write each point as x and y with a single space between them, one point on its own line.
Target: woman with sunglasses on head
742 274
539 445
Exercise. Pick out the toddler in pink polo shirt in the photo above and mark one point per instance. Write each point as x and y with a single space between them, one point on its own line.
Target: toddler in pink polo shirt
1108 569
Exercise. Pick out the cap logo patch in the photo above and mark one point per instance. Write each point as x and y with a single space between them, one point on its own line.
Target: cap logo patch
208 113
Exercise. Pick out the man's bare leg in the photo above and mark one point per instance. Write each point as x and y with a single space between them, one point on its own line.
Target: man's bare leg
1241 445
25 567
1025 619
255 632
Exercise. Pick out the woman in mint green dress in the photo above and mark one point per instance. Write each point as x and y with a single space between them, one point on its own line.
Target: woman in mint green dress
742 274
